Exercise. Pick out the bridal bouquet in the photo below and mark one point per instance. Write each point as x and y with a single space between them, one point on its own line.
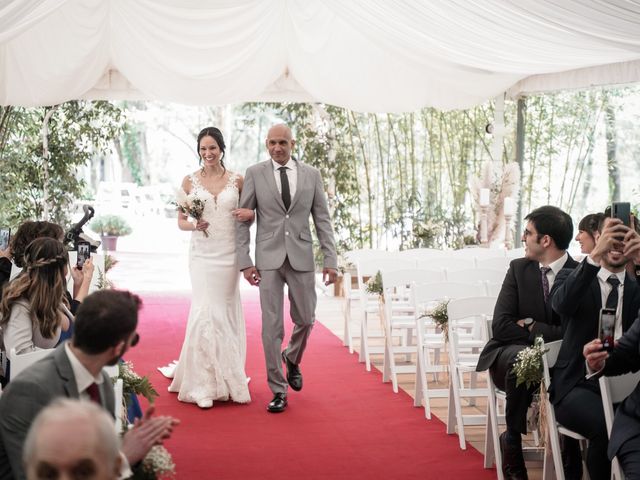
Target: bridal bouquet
191 207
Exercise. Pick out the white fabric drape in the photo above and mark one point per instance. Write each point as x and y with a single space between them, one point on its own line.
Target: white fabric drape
367 55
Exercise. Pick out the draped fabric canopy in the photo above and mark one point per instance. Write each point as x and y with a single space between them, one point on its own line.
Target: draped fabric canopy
367 55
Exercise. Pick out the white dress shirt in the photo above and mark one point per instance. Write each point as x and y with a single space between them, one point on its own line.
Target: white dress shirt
605 289
292 175
555 267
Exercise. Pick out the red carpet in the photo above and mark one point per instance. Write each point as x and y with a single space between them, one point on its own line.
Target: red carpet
345 423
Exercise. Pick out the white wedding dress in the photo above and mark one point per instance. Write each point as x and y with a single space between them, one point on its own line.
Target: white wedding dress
211 364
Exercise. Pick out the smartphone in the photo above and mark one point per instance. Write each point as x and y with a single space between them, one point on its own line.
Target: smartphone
5 236
622 211
606 328
84 253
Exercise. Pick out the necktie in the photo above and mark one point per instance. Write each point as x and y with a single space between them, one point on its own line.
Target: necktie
94 393
545 282
286 193
612 299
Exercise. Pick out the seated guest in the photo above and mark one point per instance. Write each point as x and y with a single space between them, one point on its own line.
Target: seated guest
34 309
599 281
26 233
72 439
105 328
522 312
589 231
625 434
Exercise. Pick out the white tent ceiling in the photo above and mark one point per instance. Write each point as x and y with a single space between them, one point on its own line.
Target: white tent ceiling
367 55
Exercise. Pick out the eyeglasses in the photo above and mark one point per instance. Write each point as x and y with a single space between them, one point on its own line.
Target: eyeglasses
135 339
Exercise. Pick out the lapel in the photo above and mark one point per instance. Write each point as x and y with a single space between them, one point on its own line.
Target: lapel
302 178
267 172
630 291
66 372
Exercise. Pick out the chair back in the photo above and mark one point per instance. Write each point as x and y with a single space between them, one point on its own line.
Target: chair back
20 362
354 256
423 293
423 253
448 264
515 253
493 288
549 359
614 390
475 275
493 263
478 253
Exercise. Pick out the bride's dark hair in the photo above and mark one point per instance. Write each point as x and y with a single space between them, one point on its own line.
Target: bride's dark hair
216 134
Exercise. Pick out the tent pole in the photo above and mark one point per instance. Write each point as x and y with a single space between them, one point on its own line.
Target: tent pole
522 105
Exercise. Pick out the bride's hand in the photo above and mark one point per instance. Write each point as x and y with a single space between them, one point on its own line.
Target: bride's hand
243 214
202 225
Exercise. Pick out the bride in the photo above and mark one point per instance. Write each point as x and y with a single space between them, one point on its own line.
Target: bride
211 364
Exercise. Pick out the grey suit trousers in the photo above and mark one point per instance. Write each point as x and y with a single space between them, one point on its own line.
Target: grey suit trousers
302 299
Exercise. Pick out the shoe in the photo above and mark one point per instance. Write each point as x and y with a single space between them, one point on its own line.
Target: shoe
294 377
205 403
278 404
512 459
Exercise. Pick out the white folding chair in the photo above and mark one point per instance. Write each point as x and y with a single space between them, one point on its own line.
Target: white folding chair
553 456
22 361
614 390
399 318
493 288
500 264
449 264
515 253
423 253
463 358
475 275
478 253
370 304
118 389
429 339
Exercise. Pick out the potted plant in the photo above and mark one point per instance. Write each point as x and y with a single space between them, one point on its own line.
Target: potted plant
110 227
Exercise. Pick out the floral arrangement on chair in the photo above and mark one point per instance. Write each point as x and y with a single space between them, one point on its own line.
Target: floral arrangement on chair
440 317
158 463
374 285
103 282
529 370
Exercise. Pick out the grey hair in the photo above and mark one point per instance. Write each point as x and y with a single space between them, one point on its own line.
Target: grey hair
72 410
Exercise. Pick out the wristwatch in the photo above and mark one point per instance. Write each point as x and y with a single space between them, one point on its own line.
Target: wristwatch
528 322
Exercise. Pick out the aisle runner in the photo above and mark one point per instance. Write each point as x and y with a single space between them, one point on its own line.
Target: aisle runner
344 424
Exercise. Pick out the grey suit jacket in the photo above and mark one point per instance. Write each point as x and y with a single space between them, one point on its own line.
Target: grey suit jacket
282 233
29 393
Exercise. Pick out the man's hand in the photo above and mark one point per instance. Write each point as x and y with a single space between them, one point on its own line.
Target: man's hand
610 239
146 433
243 214
594 354
6 253
632 247
329 275
252 276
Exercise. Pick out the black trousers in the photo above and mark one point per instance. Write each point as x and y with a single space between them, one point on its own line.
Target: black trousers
518 398
581 411
629 458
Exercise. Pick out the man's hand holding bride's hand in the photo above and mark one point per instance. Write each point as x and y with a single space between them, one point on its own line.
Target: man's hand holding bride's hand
243 214
329 275
252 276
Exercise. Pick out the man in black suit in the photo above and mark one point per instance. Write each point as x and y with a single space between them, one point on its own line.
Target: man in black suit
625 434
104 329
522 312
600 281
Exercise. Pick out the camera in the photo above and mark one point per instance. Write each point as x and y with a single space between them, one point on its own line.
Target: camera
84 253
5 236
606 328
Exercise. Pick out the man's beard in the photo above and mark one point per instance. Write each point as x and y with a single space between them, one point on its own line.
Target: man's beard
114 361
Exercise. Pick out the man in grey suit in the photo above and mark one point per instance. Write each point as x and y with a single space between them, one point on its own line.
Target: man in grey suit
104 329
284 192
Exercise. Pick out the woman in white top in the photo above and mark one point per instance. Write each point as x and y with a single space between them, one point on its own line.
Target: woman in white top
34 312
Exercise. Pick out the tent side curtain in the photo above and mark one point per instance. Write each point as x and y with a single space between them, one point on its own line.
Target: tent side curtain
366 55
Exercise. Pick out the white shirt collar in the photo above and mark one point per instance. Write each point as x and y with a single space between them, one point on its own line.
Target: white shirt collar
557 265
82 375
291 165
604 274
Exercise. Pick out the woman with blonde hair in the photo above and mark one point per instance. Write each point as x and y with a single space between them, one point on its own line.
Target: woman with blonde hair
34 312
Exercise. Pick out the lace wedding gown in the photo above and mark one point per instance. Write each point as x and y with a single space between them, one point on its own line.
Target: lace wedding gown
211 364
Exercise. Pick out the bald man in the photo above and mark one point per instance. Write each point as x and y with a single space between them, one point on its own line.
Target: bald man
284 192
72 438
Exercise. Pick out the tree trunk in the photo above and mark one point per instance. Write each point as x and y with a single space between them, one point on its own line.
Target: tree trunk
612 145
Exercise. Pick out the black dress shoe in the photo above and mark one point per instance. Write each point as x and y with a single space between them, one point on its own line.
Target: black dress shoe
294 377
512 459
278 404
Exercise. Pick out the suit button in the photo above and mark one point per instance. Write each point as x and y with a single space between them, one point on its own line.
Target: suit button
286 216
286 233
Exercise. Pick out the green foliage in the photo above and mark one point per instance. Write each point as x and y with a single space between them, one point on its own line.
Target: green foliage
528 365
440 317
110 225
374 285
30 183
132 383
